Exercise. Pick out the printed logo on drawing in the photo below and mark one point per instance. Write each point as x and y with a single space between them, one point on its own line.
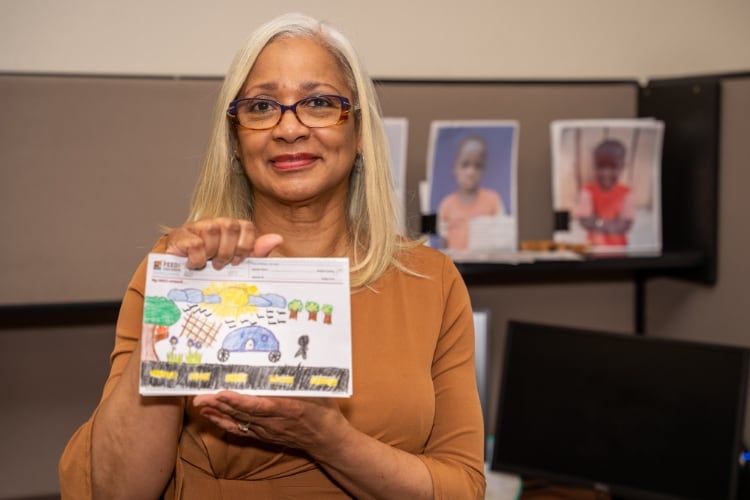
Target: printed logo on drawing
160 265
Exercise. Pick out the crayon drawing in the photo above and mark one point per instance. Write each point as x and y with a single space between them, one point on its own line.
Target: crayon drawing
266 326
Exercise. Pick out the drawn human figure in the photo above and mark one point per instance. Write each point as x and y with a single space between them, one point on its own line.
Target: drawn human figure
303 342
605 207
470 199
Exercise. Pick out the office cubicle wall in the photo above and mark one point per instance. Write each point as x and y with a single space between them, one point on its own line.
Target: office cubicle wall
95 165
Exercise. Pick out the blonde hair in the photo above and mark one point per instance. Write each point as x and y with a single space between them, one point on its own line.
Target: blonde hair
371 209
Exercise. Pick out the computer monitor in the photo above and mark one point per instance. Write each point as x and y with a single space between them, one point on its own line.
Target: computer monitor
636 416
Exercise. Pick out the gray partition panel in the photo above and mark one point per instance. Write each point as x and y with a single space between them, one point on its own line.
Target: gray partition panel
94 165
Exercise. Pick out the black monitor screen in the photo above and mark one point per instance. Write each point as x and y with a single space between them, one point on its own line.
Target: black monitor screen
636 416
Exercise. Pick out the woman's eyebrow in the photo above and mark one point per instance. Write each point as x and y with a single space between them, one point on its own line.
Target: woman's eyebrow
310 86
305 86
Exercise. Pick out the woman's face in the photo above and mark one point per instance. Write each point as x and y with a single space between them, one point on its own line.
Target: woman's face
292 163
469 165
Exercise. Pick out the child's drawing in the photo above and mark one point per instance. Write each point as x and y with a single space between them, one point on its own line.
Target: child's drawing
250 339
159 313
302 351
295 306
240 328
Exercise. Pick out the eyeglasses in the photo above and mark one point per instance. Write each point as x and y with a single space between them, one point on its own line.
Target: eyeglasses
256 113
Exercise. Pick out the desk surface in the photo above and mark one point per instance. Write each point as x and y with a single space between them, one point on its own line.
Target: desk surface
502 486
505 486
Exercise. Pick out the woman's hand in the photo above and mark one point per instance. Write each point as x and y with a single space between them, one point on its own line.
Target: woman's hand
221 240
309 424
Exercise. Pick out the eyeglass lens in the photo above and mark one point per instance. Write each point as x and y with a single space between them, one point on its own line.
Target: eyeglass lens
315 111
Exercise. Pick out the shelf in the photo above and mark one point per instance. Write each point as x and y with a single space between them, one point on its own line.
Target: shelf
58 315
635 269
593 268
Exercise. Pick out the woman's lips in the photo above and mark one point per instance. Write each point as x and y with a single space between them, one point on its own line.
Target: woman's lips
293 161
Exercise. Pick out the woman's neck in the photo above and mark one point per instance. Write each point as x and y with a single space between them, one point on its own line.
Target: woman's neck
308 230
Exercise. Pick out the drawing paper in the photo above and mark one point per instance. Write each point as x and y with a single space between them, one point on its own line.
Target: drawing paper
269 326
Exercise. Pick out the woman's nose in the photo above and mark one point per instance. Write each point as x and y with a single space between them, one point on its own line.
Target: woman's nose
290 128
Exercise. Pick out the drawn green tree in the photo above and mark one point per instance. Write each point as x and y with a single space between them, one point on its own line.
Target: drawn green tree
312 309
327 313
159 313
295 306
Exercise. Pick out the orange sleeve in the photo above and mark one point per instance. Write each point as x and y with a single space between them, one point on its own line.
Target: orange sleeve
454 453
74 468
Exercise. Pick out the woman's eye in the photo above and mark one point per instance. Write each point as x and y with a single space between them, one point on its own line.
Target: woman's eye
259 106
318 102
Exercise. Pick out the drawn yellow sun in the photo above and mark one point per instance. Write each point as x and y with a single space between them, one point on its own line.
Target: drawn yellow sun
234 299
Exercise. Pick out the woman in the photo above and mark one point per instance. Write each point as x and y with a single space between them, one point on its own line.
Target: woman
300 169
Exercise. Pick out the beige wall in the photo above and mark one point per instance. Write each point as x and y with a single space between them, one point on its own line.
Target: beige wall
419 38
570 39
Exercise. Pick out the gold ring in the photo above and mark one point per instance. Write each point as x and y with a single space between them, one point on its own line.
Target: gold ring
243 426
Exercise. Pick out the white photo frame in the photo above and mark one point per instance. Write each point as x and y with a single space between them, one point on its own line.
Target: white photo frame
397 133
480 213
482 355
584 207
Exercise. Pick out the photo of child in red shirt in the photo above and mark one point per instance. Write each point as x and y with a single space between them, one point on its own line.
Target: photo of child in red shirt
606 184
605 206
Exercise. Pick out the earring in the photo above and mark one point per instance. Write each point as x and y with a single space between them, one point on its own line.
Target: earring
359 163
236 165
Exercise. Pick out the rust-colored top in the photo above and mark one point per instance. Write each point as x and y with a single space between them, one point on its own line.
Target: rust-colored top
414 388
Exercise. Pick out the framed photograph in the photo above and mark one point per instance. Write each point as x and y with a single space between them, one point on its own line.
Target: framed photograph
397 132
606 184
472 184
